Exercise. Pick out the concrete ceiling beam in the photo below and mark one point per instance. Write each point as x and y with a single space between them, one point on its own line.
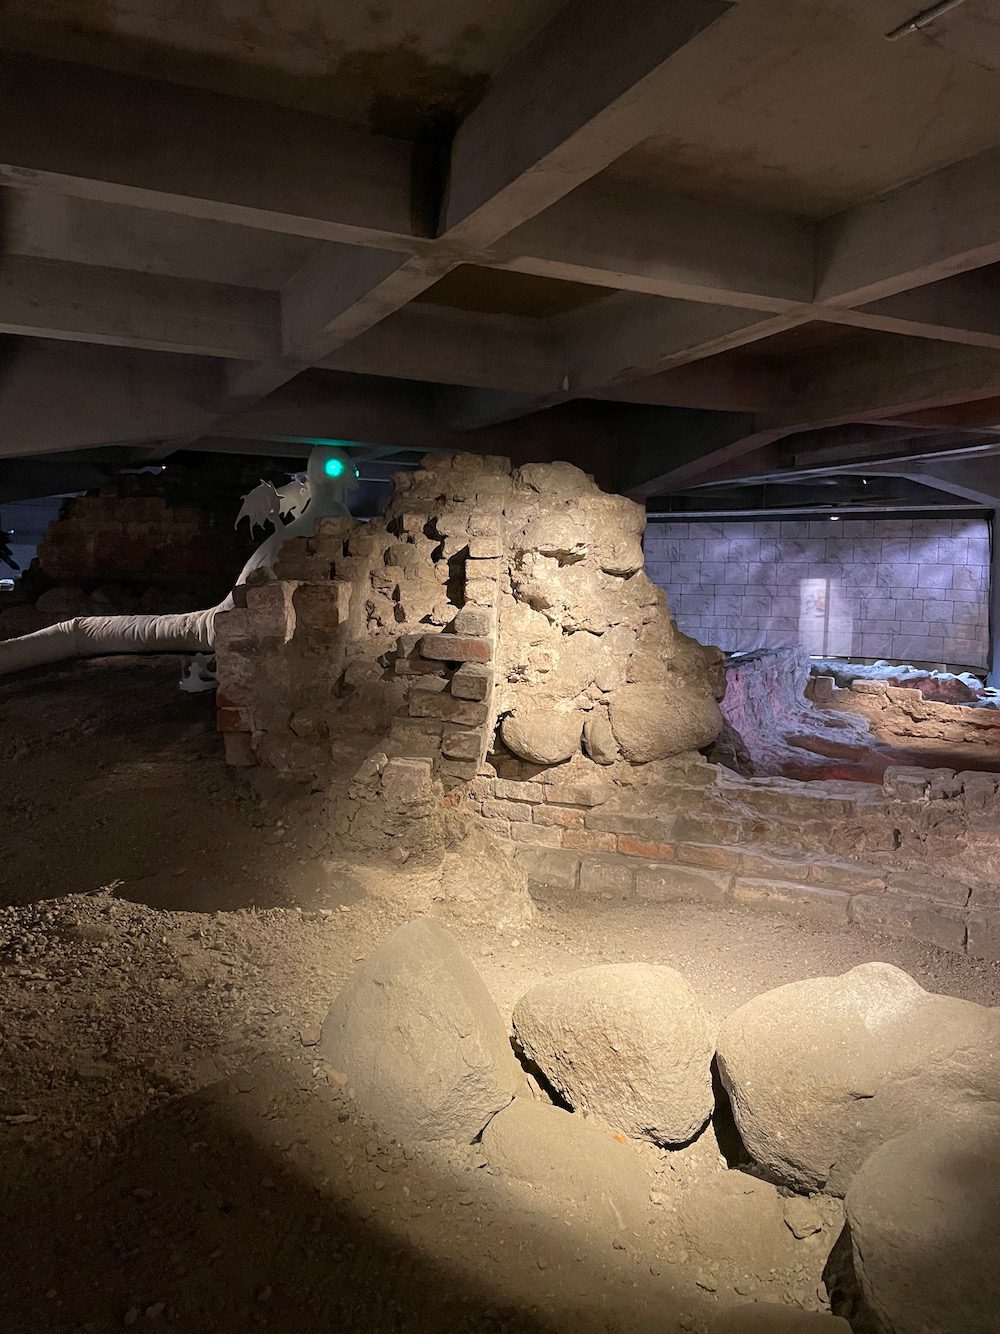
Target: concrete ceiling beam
721 384
584 90
889 381
140 142
869 256
341 292
52 299
577 110
963 309
627 341
775 464
80 303
387 412
978 415
833 390
443 346
631 338
76 397
944 224
654 242
976 480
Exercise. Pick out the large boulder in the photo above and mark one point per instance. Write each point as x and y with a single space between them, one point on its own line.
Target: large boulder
568 1164
626 1042
653 722
543 732
821 1072
754 1242
923 1213
420 1040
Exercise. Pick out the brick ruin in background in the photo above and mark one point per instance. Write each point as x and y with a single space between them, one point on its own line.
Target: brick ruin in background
121 532
144 542
492 649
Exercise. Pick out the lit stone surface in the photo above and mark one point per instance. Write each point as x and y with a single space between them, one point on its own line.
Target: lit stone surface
823 1071
420 1039
626 1042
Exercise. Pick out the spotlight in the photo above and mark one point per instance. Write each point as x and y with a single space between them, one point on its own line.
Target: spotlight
834 518
334 467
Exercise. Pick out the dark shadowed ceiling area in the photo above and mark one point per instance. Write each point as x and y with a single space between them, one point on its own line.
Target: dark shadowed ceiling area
687 243
385 66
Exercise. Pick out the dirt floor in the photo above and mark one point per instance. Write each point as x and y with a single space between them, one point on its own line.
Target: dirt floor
172 1149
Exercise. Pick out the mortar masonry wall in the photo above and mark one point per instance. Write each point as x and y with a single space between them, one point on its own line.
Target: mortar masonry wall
566 836
827 891
904 589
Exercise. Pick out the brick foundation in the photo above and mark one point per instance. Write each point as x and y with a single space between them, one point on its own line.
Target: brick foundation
696 852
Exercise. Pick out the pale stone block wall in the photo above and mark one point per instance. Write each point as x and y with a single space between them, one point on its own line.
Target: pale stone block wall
913 590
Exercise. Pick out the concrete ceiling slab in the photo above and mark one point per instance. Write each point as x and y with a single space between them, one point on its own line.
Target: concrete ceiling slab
384 64
799 108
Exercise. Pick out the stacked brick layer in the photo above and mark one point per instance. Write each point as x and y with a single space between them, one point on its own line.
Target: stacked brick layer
734 846
449 715
138 539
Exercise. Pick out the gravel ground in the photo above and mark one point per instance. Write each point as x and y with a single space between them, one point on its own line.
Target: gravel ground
174 1150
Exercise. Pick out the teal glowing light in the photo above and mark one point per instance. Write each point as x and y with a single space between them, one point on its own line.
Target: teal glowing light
356 473
334 467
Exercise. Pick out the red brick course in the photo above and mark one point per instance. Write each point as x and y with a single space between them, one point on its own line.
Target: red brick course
586 840
456 648
640 847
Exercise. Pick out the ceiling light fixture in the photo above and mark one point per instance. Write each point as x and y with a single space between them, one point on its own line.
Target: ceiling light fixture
922 19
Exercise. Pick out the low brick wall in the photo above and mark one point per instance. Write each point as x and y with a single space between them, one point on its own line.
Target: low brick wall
733 845
899 711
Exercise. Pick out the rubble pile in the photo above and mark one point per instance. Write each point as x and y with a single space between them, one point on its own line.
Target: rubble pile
833 1082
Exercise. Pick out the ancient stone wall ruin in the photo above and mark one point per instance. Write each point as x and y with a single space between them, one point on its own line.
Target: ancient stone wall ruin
904 712
494 622
492 646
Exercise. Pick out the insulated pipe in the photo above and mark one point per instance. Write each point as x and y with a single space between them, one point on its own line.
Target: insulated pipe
331 476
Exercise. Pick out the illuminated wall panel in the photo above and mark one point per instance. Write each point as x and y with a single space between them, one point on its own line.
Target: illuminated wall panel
914 590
